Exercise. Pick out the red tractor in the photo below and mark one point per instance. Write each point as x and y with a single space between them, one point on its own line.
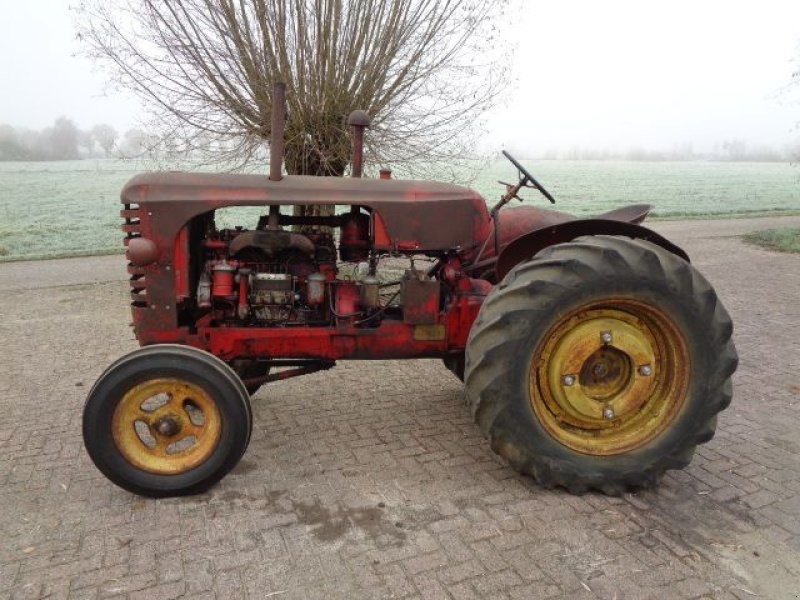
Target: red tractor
594 355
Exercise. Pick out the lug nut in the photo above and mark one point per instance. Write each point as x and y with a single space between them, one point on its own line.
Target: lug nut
608 413
569 380
606 337
646 370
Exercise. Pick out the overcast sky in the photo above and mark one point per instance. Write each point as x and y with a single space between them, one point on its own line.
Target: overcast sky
592 74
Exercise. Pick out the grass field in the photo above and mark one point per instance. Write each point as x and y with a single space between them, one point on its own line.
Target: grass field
72 208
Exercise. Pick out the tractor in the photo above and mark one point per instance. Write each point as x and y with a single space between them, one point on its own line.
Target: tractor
593 354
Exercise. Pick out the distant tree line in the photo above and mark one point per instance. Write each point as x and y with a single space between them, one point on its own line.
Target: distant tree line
65 141
734 150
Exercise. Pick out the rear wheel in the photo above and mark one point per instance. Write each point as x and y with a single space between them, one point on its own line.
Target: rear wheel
167 420
600 364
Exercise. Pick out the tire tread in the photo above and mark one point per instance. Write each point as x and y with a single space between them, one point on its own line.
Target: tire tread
528 293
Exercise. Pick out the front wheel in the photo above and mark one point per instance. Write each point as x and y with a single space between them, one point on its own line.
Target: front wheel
167 420
600 364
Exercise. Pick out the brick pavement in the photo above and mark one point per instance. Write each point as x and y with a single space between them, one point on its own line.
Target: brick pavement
371 481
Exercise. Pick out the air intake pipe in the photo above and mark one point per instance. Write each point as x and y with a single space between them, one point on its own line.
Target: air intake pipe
358 120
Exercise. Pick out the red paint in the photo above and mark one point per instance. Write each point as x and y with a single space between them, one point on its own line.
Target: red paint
355 243
181 265
223 280
347 297
390 340
141 251
420 300
381 240
449 223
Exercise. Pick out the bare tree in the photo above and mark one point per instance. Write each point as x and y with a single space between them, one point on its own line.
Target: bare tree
62 139
106 137
425 70
10 146
137 143
86 142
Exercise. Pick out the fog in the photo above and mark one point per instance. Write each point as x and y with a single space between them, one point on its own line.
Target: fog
613 75
626 74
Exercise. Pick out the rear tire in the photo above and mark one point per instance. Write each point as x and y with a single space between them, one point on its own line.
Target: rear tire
601 364
167 420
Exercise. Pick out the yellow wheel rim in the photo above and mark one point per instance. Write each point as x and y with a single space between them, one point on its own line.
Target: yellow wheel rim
166 426
610 377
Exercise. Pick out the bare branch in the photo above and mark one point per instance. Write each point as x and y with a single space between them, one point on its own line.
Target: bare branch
425 70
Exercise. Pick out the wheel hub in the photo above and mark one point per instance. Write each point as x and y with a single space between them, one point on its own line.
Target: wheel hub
605 373
608 378
166 426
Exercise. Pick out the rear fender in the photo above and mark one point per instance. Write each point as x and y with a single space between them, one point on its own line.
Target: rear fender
528 245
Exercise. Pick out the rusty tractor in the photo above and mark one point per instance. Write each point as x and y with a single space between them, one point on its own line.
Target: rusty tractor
594 355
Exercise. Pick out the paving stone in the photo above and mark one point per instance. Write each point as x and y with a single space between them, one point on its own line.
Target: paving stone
489 585
463 591
456 573
371 481
8 573
165 591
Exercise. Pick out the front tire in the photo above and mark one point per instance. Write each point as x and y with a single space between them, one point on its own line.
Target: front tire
167 420
601 363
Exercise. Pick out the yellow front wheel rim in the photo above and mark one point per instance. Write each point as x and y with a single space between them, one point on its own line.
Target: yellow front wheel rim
609 377
166 426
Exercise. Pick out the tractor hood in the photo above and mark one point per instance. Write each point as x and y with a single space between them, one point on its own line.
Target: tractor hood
417 215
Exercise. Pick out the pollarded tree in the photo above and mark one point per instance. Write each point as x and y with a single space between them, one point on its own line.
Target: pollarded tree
425 70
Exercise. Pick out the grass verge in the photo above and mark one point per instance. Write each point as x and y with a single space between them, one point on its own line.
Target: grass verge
781 240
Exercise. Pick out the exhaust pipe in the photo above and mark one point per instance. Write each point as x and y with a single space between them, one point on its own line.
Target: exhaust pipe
358 120
276 146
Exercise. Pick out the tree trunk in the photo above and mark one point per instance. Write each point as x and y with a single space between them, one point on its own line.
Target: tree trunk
304 159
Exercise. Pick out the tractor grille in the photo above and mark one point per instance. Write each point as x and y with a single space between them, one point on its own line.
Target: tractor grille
132 229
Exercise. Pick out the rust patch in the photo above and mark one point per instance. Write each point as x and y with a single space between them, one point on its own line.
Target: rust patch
429 333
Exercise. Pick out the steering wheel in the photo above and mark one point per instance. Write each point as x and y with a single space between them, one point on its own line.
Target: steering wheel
527 176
